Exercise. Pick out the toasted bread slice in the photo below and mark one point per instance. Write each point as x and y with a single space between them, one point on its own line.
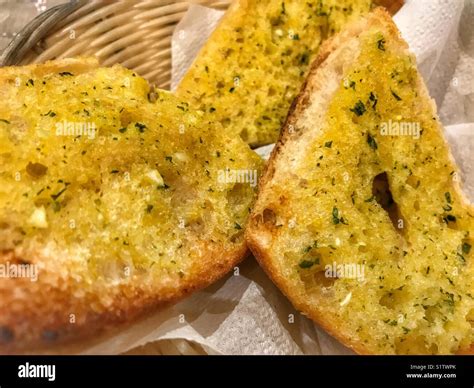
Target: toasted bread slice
360 219
253 65
114 199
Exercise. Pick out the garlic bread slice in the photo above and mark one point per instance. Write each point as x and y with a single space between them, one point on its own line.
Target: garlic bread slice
360 219
116 198
254 63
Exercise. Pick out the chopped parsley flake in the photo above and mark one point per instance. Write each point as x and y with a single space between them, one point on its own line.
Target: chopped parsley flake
141 127
359 108
397 97
466 248
371 142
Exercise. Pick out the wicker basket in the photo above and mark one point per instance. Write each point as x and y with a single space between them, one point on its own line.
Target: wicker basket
135 33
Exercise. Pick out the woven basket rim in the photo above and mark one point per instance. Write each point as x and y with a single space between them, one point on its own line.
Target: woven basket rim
37 29
136 34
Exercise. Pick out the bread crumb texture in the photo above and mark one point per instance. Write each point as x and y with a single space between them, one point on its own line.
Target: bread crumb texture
384 201
252 67
113 191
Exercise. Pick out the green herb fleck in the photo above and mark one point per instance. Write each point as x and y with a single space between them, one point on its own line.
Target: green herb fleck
397 97
335 216
50 114
57 195
447 195
374 100
466 248
359 108
304 59
371 142
305 264
381 44
141 127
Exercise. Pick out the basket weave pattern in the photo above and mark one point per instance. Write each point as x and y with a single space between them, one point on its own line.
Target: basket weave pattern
135 33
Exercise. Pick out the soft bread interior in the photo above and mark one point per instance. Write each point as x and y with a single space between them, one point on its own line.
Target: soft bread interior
345 194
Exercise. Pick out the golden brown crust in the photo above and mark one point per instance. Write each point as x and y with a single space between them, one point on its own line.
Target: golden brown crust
392 6
75 65
256 229
42 323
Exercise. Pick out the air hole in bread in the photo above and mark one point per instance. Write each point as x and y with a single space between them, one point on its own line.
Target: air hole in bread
269 216
413 181
196 226
234 195
316 280
323 280
383 196
392 299
237 237
450 221
387 300
432 313
125 118
303 183
414 344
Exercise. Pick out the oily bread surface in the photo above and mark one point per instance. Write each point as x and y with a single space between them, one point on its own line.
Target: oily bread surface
77 296
305 123
251 68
